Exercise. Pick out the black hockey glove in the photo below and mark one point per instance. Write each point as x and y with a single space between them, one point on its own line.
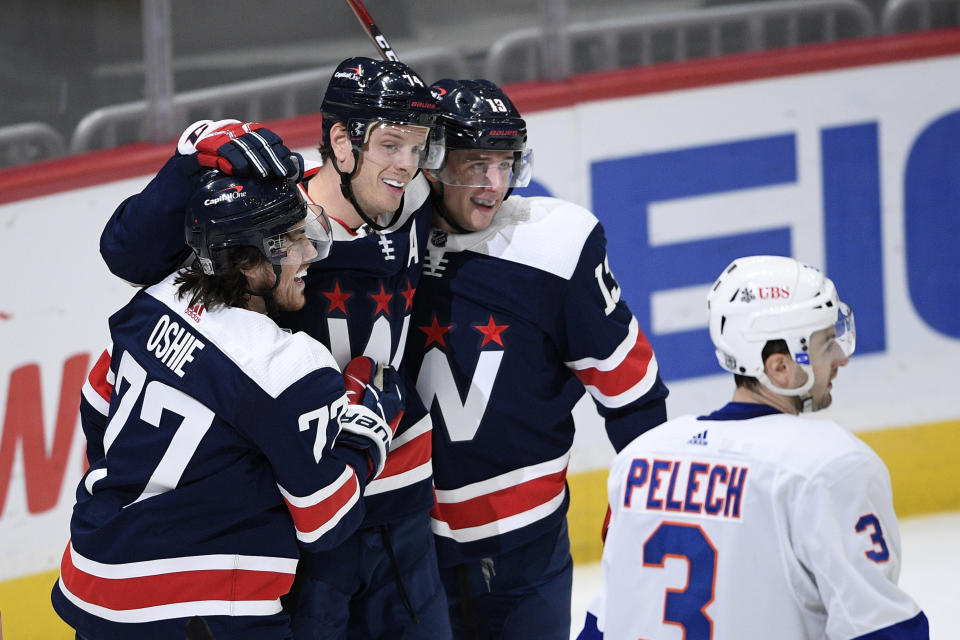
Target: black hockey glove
376 407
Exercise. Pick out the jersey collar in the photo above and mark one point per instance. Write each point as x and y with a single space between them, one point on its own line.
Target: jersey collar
741 411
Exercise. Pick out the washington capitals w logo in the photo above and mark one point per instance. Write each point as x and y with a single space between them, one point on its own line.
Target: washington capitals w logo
462 416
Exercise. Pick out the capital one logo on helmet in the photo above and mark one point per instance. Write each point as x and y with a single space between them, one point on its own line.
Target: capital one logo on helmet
349 73
229 194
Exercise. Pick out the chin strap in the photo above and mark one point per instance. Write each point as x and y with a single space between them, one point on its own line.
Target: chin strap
800 396
436 197
267 295
347 190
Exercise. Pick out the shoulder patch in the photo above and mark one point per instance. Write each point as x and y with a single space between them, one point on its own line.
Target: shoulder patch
271 357
540 232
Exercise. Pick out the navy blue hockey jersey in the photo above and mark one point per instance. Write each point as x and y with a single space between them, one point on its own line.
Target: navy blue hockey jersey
510 325
358 302
210 436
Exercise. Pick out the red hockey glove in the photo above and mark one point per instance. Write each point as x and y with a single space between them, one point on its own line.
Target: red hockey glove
245 149
376 407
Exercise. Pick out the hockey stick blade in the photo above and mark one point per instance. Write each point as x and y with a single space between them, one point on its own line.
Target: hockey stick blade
372 31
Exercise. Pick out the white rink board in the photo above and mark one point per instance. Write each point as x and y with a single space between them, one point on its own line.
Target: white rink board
58 294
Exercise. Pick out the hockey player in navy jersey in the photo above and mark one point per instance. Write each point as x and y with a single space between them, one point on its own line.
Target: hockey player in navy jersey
516 315
378 130
783 526
217 442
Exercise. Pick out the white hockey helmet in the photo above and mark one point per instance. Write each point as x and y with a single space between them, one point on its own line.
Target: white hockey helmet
761 298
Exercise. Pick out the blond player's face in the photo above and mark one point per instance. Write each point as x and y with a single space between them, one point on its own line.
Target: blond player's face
388 163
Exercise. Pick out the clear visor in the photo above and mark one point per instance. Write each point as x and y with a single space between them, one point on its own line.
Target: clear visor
414 146
492 169
846 330
305 242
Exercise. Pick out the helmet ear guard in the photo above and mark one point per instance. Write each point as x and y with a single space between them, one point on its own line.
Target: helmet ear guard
762 298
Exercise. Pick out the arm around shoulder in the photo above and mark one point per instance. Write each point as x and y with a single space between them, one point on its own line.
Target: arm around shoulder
143 240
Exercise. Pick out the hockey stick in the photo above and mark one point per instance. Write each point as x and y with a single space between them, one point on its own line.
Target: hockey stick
372 31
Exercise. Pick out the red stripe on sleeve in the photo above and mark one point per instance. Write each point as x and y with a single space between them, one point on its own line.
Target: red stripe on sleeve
408 456
625 375
311 518
98 376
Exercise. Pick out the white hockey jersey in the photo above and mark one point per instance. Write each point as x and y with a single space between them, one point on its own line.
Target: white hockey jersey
751 524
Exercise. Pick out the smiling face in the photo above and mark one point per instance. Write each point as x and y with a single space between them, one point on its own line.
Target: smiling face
475 182
388 162
298 251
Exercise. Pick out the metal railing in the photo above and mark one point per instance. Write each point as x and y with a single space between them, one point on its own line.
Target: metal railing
645 39
909 15
278 96
517 56
29 142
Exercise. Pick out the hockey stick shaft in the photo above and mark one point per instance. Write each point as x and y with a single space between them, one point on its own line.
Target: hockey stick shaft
372 31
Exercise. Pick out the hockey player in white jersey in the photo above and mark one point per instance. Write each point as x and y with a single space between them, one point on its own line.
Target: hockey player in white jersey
753 522
219 445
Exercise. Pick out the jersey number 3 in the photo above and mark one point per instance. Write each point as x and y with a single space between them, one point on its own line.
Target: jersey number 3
686 607
879 553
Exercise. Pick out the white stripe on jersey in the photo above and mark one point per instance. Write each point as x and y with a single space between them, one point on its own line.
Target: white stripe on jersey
631 394
178 610
316 500
503 481
616 358
94 399
218 561
400 480
497 527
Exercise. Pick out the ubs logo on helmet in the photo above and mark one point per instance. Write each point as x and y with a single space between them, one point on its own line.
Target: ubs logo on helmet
229 194
773 292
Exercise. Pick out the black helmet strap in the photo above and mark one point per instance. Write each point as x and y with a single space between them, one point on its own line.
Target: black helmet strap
267 294
347 190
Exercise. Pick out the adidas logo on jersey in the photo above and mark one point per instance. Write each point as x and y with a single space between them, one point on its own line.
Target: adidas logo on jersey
195 312
700 438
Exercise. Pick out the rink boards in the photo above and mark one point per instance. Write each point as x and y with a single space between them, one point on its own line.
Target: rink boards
845 156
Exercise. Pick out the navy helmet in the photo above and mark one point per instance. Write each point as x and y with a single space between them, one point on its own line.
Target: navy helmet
364 91
228 212
477 114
